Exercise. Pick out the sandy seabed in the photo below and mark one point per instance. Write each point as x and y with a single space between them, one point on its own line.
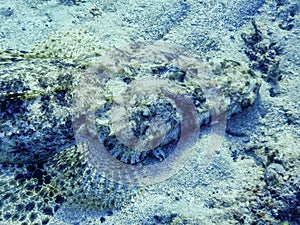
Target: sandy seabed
254 175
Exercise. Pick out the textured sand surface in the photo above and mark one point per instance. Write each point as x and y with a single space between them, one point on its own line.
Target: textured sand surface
253 177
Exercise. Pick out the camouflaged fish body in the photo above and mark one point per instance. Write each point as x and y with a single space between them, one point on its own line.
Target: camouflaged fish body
32 193
35 109
41 165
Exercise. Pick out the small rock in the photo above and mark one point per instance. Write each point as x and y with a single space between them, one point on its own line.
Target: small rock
6 12
274 174
246 139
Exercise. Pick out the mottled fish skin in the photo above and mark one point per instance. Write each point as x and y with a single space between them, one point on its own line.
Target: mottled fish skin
36 95
33 193
39 170
35 101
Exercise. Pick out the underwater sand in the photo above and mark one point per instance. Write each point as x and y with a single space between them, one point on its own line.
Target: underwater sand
253 177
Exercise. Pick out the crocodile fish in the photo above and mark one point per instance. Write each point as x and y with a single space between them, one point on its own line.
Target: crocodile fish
83 126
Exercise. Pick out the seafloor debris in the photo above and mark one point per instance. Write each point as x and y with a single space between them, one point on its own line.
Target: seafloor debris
263 53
